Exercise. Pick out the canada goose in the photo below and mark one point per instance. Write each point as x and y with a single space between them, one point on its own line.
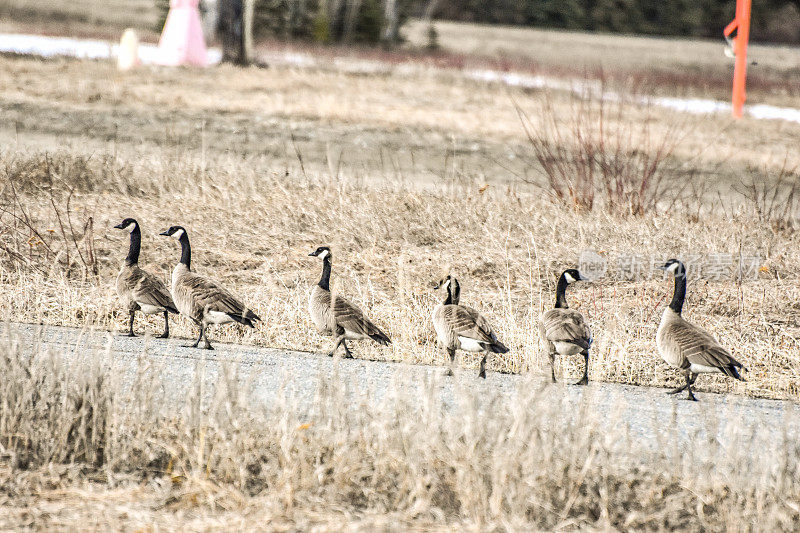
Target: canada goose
200 298
461 327
564 331
342 320
690 349
139 289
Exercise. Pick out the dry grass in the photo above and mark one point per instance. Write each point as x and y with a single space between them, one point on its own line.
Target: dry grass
257 226
268 165
82 447
83 18
401 174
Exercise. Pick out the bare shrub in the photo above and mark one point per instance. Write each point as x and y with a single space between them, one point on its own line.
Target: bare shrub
772 197
608 152
61 238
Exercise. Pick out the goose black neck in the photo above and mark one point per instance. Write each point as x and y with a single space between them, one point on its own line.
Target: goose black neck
136 245
449 299
186 250
680 293
325 280
561 289
453 293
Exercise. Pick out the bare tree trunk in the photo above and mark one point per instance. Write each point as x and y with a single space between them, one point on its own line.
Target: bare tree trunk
391 22
236 30
352 9
247 23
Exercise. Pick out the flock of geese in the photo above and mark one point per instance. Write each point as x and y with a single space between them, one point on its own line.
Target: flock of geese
563 331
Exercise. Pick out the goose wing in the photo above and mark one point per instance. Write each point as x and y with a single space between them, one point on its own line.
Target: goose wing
698 347
566 325
467 322
150 290
352 318
208 295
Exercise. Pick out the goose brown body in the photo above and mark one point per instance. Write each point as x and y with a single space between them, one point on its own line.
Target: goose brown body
138 289
202 299
686 347
564 331
335 316
459 327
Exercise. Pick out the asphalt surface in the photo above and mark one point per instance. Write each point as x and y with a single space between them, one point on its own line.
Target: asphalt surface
652 418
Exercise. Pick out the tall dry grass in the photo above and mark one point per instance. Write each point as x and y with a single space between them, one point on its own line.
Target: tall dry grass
252 228
84 444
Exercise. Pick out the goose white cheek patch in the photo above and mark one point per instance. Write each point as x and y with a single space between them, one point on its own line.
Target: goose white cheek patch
569 277
324 254
672 268
178 234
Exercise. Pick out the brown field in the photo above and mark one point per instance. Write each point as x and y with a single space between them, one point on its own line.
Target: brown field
666 66
401 175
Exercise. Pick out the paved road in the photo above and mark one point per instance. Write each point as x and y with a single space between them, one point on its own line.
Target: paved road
652 417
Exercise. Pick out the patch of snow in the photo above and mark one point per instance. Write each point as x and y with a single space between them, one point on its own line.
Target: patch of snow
81 48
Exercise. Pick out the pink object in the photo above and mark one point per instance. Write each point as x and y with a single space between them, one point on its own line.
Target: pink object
182 40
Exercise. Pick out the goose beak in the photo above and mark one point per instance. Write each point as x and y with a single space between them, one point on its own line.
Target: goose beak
662 267
165 233
437 285
312 254
119 226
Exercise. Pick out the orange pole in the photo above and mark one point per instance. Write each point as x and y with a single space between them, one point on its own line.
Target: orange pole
742 26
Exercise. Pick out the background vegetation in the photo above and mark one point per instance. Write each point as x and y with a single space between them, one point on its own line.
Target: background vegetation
772 20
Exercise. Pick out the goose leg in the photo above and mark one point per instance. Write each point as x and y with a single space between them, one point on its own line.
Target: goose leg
197 342
130 325
585 379
690 378
347 354
165 335
207 345
482 372
339 340
452 354
553 366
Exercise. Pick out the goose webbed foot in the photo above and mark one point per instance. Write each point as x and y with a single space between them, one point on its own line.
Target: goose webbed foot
347 353
677 390
583 381
449 372
164 335
199 338
482 372
129 334
690 379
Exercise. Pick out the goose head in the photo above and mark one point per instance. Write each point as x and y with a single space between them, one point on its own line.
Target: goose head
176 232
129 224
674 267
571 275
322 252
